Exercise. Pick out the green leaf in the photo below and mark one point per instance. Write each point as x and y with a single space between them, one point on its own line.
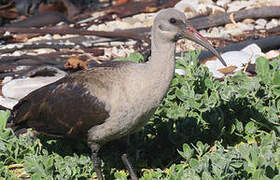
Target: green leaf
41 166
237 164
239 117
262 69
134 57
276 78
4 116
239 126
120 175
194 163
36 177
276 90
277 177
250 128
206 176
187 152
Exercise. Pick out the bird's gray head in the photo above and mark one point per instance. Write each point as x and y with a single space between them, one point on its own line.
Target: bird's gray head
172 25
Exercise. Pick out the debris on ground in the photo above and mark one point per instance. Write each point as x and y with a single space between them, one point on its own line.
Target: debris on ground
72 35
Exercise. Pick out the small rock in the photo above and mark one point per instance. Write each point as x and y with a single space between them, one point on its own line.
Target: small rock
120 52
149 23
215 32
206 1
132 42
216 9
224 34
261 22
136 21
11 46
17 53
272 54
56 36
245 27
259 27
209 8
253 50
47 37
94 15
145 16
203 32
248 21
20 68
93 27
230 26
233 29
237 5
131 20
223 3
6 79
271 24
137 24
125 25
42 51
186 4
272 3
251 26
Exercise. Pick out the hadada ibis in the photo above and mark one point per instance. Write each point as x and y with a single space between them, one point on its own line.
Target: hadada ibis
114 100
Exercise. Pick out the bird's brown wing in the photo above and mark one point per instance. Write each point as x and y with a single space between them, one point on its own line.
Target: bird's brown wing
64 108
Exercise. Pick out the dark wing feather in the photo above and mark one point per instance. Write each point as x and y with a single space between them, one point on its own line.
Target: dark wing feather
64 108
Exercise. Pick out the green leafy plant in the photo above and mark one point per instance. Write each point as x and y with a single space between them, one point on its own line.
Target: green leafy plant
204 129
4 115
134 57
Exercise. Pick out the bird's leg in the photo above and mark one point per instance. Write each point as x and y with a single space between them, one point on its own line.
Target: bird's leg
129 167
126 162
96 159
97 165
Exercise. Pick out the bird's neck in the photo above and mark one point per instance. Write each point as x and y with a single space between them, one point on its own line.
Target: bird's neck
162 56
160 68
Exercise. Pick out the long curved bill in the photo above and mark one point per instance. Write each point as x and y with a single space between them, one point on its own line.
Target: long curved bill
192 34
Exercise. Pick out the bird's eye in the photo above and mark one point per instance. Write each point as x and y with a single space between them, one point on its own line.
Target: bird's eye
172 20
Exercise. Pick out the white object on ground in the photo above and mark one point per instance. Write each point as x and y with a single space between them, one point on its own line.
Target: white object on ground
180 72
7 102
19 88
235 58
16 89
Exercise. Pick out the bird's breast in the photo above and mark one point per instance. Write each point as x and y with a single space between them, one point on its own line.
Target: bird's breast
132 102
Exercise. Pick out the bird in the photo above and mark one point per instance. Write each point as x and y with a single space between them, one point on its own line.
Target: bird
112 100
